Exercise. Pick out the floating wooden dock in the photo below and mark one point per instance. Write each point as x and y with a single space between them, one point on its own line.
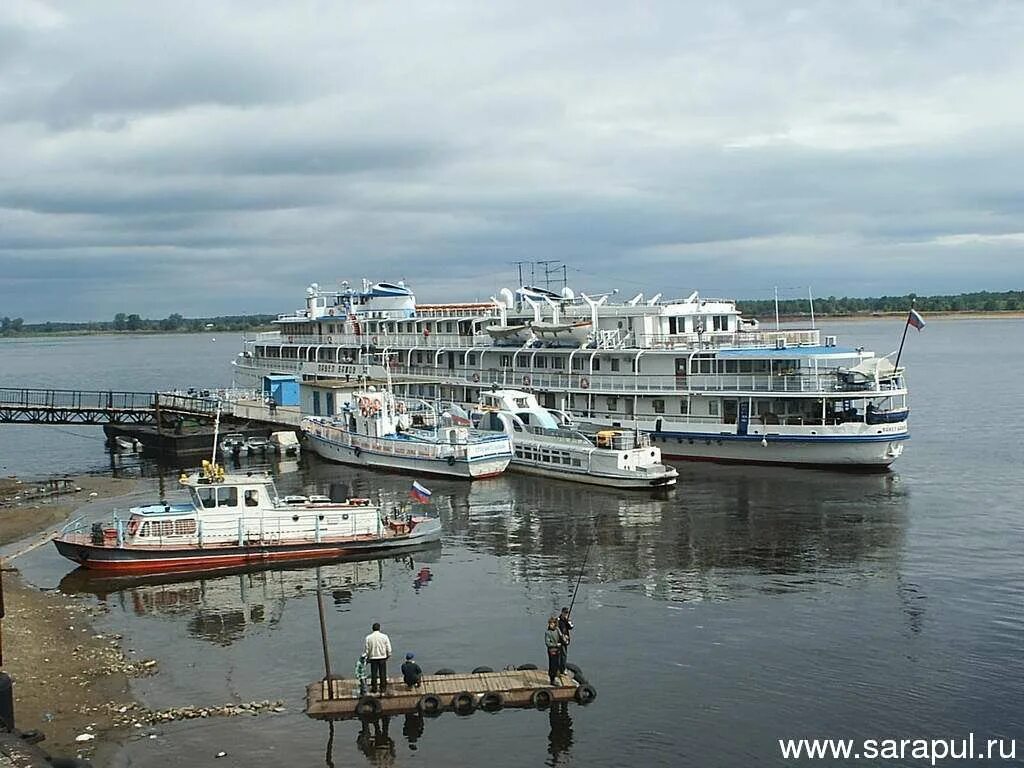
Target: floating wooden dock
462 693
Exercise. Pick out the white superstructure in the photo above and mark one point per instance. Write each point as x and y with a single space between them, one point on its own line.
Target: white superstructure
702 381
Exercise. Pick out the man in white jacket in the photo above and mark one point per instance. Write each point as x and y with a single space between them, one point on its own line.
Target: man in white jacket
378 650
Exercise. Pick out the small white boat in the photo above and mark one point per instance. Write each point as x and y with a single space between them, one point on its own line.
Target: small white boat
546 443
232 520
516 334
232 444
376 430
285 443
563 334
256 444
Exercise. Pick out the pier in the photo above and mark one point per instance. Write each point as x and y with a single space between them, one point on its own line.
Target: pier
462 693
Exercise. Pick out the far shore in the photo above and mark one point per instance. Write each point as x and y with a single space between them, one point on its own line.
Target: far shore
1015 315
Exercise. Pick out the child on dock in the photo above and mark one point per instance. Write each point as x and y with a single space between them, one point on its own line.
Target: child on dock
411 672
361 674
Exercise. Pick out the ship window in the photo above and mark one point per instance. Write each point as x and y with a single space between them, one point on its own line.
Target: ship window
471 358
558 362
659 406
506 361
448 327
186 527
613 403
596 364
684 406
207 497
615 363
252 498
712 407
746 366
144 530
577 463
540 362
577 363
227 497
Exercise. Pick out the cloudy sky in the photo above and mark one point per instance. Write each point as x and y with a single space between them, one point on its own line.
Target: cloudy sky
215 157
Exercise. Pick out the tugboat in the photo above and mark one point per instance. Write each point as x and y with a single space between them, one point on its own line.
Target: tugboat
232 520
546 443
376 430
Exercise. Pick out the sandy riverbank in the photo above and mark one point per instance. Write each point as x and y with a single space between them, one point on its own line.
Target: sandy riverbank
68 679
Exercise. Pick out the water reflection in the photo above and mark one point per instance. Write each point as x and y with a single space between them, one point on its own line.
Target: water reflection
221 608
723 524
375 742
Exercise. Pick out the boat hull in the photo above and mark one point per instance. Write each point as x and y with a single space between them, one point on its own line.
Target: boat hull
838 452
466 469
139 559
631 481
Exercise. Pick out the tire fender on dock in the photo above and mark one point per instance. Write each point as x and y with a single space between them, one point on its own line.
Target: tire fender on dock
368 707
463 703
492 701
585 693
430 705
541 698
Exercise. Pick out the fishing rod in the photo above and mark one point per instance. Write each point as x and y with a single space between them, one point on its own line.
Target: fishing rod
580 577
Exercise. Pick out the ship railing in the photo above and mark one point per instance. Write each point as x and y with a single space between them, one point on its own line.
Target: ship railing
434 341
715 340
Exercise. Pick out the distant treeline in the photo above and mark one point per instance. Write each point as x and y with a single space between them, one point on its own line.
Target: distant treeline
136 324
985 301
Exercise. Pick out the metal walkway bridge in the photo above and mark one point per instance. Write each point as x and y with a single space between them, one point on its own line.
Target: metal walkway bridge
66 406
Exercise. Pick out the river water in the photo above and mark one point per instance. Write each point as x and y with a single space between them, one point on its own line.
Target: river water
748 606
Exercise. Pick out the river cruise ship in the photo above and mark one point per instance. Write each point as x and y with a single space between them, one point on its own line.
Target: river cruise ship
701 380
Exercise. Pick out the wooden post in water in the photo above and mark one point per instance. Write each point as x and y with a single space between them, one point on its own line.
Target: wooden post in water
323 634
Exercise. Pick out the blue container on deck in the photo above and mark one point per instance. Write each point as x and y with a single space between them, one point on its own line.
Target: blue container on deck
283 390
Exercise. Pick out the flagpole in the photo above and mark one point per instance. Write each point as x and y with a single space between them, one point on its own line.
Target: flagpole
906 328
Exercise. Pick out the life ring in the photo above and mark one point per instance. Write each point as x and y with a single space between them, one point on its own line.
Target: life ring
451 461
368 707
492 701
526 381
373 341
430 705
585 693
133 527
463 703
541 698
330 340
584 383
357 451
476 378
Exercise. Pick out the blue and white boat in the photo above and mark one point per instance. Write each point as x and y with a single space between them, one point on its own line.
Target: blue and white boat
701 380
375 429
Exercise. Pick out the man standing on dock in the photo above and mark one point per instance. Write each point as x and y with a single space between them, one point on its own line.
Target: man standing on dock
378 650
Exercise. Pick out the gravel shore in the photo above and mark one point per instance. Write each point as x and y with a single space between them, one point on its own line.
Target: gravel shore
69 681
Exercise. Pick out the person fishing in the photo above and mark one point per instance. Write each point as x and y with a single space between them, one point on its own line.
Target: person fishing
565 628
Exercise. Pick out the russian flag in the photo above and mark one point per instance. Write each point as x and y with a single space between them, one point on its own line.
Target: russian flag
419 492
915 319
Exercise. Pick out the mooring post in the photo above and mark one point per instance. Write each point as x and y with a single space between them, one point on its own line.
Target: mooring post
323 634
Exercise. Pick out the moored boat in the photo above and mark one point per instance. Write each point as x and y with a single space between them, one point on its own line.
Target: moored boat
233 520
376 430
546 443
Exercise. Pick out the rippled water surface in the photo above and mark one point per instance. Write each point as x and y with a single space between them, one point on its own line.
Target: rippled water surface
750 604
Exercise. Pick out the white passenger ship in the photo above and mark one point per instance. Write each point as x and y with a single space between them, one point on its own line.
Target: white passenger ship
702 381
